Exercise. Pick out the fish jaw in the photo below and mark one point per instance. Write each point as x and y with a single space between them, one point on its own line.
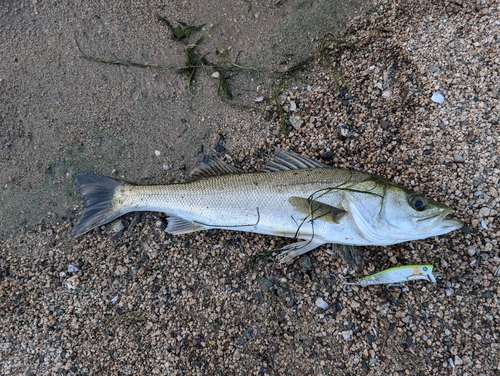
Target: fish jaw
439 224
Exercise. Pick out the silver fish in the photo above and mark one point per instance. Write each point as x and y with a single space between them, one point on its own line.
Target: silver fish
292 196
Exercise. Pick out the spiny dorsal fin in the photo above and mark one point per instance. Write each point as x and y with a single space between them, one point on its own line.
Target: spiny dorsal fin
317 210
285 160
210 166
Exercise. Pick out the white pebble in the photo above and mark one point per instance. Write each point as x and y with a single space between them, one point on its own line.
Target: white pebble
386 94
346 334
72 269
452 363
157 153
293 106
216 75
258 100
484 225
484 212
114 299
437 98
471 250
117 226
296 122
321 303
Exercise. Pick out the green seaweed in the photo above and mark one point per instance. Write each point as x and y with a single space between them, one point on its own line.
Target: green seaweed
194 61
181 31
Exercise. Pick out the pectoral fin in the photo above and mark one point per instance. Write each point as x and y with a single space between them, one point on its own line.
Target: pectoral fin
317 210
291 251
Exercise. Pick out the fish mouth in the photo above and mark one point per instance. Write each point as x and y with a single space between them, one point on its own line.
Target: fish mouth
450 223
441 220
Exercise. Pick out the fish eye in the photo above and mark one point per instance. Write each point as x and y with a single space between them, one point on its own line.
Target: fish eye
425 268
417 203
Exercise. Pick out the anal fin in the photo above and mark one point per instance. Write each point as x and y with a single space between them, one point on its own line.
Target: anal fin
177 225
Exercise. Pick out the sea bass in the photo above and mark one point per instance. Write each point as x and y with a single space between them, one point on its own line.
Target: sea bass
292 196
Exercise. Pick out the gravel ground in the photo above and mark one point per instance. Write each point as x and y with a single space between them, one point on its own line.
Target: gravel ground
139 301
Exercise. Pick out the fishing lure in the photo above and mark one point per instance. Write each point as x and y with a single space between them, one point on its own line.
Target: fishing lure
396 276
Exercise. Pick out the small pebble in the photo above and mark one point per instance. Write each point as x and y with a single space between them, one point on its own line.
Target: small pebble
320 303
305 262
259 99
437 98
459 158
387 93
296 122
471 250
293 106
346 334
72 269
384 124
157 153
216 75
484 212
117 226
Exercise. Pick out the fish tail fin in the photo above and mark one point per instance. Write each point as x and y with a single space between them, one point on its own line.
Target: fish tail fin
98 191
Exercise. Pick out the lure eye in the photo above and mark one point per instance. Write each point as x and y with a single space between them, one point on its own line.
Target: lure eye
417 203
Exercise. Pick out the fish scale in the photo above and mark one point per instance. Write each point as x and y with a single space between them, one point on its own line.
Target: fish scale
252 202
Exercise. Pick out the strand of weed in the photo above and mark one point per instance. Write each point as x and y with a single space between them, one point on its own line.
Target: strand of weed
279 107
285 77
179 33
330 41
126 63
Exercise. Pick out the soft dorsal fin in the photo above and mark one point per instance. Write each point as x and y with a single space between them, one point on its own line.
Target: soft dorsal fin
210 166
286 160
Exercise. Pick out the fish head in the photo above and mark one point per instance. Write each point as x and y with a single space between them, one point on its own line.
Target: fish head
411 216
387 213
